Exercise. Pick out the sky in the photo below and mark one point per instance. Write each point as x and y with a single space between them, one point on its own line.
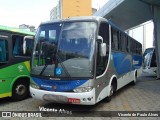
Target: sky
31 12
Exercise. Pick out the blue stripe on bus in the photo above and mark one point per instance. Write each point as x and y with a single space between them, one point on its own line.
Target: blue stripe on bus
137 62
61 85
122 62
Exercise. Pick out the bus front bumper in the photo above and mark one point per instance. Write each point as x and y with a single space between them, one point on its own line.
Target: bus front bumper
85 98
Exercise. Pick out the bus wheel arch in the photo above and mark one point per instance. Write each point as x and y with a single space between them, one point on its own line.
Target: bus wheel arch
20 89
112 88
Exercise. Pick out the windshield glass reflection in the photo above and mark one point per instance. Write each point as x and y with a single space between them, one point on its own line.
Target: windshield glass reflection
64 50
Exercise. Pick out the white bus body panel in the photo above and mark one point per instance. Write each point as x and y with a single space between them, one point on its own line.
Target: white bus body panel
83 97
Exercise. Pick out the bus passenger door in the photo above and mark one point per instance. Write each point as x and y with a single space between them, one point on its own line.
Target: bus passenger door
102 61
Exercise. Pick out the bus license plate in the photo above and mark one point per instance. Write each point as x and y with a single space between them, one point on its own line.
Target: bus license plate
73 100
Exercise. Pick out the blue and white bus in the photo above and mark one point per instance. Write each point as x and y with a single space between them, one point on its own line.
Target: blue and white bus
82 60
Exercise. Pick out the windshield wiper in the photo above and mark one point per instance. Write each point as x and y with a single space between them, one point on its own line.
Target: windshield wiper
64 68
61 63
43 70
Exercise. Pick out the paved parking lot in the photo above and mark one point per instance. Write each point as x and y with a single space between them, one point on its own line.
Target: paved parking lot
144 96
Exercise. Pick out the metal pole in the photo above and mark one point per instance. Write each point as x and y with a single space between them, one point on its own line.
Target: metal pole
156 21
144 37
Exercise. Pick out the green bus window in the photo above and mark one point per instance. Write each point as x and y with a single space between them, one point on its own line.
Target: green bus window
3 51
29 46
17 43
16 47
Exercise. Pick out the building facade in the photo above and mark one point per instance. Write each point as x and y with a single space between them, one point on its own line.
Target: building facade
71 8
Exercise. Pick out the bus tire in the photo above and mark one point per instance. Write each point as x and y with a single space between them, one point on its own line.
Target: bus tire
20 90
135 79
112 90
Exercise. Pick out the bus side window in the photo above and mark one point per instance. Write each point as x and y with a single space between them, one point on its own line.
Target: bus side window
135 48
128 44
123 42
131 46
29 46
120 42
102 61
3 51
114 40
17 45
140 49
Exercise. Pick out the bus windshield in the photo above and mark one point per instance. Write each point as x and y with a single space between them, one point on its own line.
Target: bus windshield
64 50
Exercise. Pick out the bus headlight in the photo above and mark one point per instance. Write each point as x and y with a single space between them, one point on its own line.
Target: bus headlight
34 86
83 89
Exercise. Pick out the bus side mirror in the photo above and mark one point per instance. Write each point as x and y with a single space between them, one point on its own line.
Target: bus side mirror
103 47
30 38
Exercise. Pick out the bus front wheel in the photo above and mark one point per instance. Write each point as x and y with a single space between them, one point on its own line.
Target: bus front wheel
20 90
112 91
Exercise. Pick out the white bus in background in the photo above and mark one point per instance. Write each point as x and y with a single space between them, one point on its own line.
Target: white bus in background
149 62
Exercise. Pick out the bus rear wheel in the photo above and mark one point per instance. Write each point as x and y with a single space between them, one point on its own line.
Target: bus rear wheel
135 79
20 90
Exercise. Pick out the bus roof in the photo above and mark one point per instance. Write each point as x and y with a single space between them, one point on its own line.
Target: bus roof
76 19
96 18
87 18
16 30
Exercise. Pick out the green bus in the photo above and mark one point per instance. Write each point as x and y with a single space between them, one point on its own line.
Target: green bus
14 62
